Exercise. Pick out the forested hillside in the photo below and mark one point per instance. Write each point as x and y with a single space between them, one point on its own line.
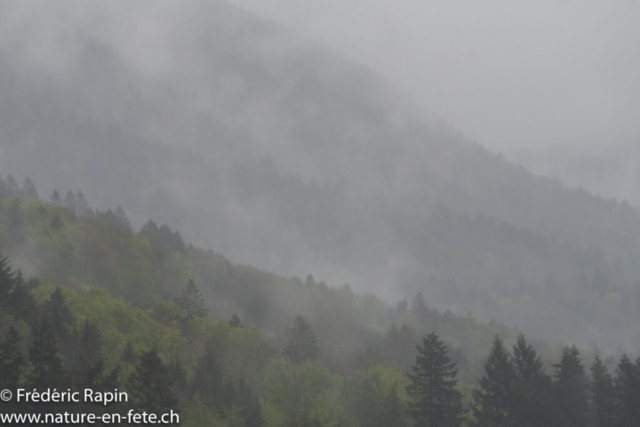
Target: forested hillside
284 155
87 301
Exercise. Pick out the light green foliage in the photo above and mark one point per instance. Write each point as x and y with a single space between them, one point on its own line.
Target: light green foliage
121 322
200 415
117 279
366 394
304 394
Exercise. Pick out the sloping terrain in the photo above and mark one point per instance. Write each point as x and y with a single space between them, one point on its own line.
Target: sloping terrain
279 153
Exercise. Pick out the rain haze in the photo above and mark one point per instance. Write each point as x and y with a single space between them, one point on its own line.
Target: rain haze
546 82
267 194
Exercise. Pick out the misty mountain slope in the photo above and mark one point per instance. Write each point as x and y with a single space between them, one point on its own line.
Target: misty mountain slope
276 152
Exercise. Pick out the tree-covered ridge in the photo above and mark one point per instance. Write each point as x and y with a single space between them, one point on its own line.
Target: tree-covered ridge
233 345
63 246
214 373
350 180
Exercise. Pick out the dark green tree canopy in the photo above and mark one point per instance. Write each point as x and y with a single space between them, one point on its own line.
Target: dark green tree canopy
493 402
12 360
235 321
29 190
208 380
47 370
627 392
436 401
301 342
602 394
191 302
150 386
572 388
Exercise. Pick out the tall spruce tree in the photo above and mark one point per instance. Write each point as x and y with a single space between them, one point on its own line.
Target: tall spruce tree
208 380
70 201
418 305
123 218
89 365
533 400
249 404
12 361
436 402
14 222
191 302
493 402
572 389
150 386
3 188
82 204
301 342
55 198
7 280
11 186
59 313
29 190
47 370
235 321
627 389
602 395
20 301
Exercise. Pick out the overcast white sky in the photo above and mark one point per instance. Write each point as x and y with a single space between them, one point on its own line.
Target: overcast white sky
510 74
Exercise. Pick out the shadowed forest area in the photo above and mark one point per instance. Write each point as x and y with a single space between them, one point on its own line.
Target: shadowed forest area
87 302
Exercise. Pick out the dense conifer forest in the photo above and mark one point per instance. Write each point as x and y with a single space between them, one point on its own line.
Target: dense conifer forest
86 301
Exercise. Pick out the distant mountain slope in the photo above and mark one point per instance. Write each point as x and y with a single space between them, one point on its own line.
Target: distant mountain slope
279 153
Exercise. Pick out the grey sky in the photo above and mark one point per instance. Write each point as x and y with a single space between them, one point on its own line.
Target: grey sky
509 74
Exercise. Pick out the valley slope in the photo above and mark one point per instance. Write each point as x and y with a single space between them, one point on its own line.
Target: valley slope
277 152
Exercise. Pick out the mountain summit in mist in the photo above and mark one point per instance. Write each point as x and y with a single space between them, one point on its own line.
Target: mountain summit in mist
277 152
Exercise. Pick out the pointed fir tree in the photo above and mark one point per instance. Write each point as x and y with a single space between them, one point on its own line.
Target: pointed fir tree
301 342
627 389
12 361
70 201
177 243
11 186
123 219
149 385
602 395
7 280
20 301
89 365
309 281
493 402
436 402
572 388
208 379
3 188
191 302
59 313
29 190
82 204
55 198
47 370
14 221
235 321
533 400
418 305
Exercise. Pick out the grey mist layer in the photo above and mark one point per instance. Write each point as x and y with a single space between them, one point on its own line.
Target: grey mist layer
253 140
